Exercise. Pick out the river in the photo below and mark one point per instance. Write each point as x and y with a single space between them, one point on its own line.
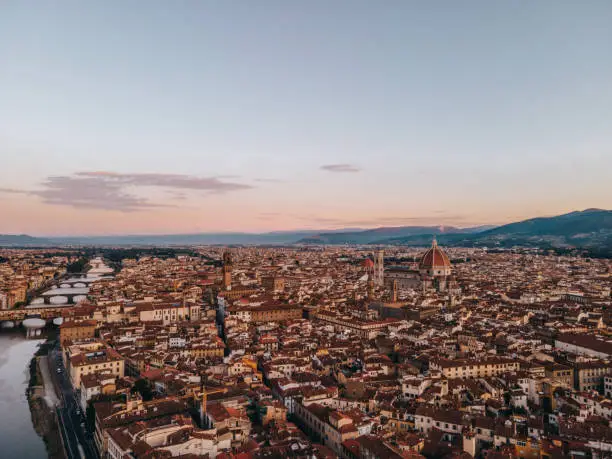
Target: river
18 439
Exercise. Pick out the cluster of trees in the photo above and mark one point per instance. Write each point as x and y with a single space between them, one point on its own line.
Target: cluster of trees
77 266
600 253
144 388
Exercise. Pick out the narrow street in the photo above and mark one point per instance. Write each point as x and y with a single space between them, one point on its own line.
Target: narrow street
78 440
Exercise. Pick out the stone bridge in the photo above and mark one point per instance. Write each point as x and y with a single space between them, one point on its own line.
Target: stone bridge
21 314
70 288
71 283
77 280
72 295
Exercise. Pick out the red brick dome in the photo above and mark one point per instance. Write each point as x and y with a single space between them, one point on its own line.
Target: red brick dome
434 258
368 263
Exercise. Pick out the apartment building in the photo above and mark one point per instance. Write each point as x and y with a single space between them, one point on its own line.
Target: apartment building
77 330
461 368
93 358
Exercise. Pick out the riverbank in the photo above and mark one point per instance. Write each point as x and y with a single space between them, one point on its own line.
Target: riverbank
43 400
17 435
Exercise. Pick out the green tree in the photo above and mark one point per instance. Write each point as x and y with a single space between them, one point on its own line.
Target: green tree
143 387
77 266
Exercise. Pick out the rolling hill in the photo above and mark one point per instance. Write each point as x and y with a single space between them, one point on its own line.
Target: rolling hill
385 233
270 238
21 240
589 229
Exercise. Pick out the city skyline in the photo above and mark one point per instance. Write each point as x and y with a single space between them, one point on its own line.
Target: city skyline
202 117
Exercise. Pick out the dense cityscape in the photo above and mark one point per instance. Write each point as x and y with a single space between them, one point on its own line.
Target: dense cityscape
320 352
306 229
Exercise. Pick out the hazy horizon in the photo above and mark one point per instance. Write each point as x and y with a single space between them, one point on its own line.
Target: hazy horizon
294 230
205 117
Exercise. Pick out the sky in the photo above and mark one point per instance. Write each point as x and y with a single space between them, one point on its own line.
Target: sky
154 117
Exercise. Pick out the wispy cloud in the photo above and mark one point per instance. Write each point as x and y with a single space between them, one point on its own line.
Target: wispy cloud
109 190
341 168
269 180
176 195
178 181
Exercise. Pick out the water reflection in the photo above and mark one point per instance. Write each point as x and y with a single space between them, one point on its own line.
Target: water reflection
17 436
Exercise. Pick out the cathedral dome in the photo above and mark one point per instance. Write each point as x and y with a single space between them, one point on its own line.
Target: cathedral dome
434 259
368 263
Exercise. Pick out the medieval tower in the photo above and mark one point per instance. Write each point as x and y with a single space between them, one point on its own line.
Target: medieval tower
227 270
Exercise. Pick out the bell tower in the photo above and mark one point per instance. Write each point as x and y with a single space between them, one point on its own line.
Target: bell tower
227 270
379 268
370 288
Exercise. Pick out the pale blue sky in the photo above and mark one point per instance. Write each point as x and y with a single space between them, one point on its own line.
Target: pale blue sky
454 112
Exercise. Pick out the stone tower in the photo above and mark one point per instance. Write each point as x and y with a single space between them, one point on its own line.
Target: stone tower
379 268
227 270
370 288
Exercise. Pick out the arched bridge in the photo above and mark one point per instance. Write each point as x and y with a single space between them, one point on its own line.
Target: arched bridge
23 313
72 295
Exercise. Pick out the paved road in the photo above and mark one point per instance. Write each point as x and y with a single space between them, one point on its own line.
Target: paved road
50 394
79 442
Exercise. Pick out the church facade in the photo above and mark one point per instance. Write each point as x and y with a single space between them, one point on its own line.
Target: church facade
434 271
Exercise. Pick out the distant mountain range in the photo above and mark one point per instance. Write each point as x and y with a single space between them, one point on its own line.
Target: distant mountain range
379 235
275 238
8 240
588 229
